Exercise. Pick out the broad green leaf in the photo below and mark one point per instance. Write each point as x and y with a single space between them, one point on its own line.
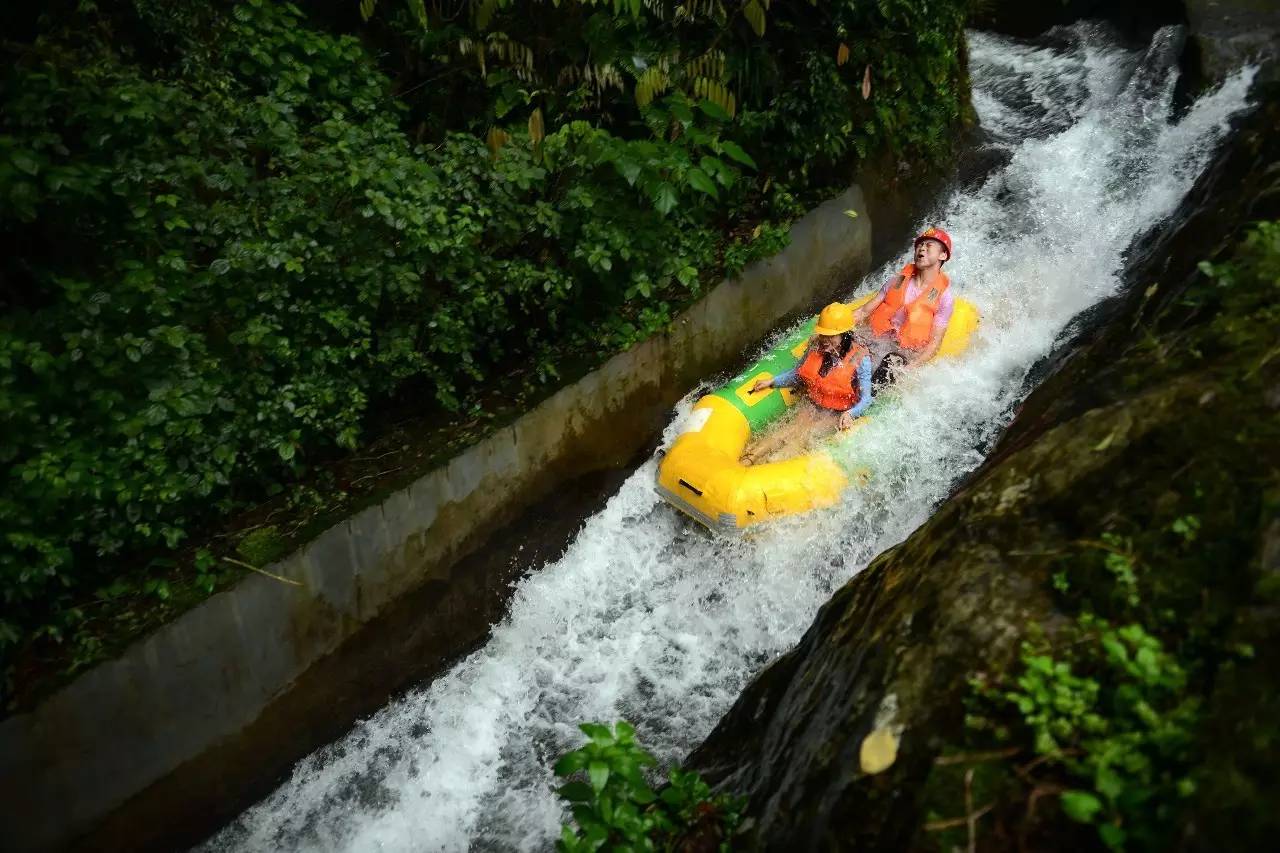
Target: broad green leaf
1108 783
672 796
1112 836
714 110
570 763
665 199
599 773
25 162
1080 806
735 151
629 169
598 733
718 169
699 180
577 792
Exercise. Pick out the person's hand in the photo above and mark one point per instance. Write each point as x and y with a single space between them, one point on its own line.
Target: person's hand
761 384
846 421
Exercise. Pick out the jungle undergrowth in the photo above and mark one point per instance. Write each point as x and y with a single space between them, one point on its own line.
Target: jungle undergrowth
1102 732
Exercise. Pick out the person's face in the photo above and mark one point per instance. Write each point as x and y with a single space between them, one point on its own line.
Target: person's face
829 344
930 253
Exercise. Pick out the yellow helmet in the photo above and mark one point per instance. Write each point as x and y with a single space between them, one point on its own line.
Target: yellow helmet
835 319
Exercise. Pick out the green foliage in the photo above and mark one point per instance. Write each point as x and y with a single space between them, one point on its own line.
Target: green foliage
768 239
227 236
614 807
1246 286
1120 713
1108 709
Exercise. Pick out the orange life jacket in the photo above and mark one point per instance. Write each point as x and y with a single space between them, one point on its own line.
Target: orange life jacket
836 390
918 329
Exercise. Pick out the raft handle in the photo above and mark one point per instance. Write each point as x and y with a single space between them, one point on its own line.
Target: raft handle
691 488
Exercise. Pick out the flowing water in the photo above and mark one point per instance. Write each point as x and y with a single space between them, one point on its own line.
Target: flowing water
649 619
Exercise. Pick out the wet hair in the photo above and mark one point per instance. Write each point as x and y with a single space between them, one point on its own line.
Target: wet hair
830 361
884 374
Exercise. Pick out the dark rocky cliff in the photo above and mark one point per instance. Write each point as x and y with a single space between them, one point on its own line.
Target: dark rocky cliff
1166 415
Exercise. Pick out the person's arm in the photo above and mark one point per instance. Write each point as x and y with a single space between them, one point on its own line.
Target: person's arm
865 311
930 349
786 379
864 388
859 408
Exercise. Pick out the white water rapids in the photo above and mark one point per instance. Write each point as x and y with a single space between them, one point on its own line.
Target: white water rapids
648 619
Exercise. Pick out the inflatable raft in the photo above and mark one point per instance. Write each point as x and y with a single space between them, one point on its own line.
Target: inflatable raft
701 475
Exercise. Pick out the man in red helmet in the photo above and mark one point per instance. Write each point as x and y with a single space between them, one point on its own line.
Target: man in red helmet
909 316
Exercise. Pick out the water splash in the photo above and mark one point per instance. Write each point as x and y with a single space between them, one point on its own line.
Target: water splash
649 619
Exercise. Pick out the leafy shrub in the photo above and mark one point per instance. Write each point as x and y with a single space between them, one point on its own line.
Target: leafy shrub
615 808
1148 718
227 235
230 265
1109 710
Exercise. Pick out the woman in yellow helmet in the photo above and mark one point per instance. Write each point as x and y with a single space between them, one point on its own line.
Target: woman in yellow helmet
836 376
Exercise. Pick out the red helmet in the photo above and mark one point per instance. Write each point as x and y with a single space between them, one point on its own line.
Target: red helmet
938 234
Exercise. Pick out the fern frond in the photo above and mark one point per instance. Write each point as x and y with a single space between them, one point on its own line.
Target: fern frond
496 138
651 83
536 129
754 13
717 93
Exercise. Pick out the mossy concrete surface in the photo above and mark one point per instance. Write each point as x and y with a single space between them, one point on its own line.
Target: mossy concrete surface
197 683
1170 406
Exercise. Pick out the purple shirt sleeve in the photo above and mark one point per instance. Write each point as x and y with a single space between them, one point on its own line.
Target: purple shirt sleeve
786 379
946 305
864 388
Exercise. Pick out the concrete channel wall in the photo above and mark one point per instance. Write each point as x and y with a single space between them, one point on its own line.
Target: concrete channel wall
194 685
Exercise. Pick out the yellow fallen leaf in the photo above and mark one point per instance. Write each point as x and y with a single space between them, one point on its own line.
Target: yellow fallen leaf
879 751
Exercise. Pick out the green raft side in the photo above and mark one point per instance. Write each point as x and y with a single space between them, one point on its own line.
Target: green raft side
768 406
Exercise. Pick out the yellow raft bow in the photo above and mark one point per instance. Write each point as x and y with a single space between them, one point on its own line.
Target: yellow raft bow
701 474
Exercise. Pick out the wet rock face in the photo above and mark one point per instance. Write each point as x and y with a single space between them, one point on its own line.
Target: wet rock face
1134 18
1224 34
1229 33
836 742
